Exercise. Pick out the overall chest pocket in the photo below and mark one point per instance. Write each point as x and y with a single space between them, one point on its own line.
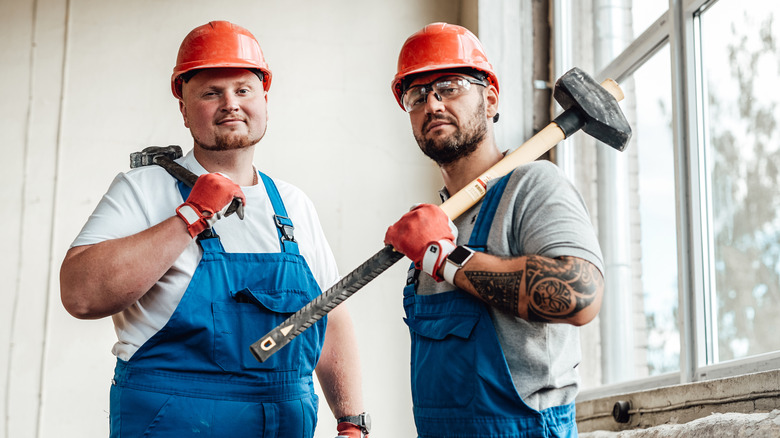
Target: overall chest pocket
250 315
443 357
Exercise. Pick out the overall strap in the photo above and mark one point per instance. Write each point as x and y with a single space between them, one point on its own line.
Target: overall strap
208 239
479 235
284 225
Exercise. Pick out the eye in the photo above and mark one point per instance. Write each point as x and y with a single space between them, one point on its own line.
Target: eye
450 88
415 96
419 98
449 91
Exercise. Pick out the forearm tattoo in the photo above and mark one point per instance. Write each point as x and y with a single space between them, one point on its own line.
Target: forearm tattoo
557 288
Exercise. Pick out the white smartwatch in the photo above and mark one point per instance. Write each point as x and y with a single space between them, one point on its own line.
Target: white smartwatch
456 260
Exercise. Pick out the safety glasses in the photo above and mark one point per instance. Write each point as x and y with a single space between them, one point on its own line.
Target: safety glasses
444 88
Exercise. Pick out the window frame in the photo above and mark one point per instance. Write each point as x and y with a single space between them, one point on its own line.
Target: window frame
678 27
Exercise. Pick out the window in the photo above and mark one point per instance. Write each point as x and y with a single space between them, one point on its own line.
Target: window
689 215
739 71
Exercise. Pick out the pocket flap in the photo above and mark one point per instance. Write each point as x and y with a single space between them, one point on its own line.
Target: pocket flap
278 301
440 326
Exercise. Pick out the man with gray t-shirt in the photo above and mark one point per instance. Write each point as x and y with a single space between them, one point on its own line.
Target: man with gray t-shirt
493 320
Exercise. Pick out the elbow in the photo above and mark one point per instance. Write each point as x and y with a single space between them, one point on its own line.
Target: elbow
76 301
585 316
589 312
590 293
82 292
77 306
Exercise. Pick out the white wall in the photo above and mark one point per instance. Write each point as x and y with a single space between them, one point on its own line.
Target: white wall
86 82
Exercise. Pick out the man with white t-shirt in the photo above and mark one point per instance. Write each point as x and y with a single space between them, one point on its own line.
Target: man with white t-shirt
187 299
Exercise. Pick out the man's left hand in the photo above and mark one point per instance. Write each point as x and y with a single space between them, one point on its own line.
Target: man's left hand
349 430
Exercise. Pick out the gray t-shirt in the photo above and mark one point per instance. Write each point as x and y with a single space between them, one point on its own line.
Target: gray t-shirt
540 213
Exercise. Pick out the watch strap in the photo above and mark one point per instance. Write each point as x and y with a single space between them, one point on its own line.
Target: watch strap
363 421
449 273
451 266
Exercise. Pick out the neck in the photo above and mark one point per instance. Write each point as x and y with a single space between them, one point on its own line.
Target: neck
461 172
236 163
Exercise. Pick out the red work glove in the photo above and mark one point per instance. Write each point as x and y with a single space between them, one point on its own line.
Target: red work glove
349 430
211 193
426 235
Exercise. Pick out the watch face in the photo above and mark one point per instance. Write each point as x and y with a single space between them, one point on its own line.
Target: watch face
460 255
367 422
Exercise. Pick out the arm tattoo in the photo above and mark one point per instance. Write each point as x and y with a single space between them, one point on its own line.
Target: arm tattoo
556 288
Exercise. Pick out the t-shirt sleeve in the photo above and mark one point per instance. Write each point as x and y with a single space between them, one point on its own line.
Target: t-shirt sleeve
120 213
550 217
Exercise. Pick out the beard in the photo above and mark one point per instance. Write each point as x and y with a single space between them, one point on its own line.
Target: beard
229 141
462 143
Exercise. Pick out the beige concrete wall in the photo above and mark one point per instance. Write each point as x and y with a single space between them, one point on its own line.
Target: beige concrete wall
87 82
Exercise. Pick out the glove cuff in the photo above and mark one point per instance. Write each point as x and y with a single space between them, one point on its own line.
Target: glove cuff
435 256
195 220
349 430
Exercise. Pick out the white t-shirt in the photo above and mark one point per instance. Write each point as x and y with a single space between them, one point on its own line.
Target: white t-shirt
146 196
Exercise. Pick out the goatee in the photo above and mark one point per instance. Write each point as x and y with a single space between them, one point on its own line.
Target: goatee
460 144
229 142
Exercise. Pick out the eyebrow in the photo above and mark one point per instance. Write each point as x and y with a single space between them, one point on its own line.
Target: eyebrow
446 78
237 84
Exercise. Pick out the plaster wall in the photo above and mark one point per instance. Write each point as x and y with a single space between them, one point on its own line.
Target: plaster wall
87 83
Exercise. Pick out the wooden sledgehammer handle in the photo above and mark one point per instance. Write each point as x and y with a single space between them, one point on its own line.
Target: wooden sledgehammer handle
529 151
461 201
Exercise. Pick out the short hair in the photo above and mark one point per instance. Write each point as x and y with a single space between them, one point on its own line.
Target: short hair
185 77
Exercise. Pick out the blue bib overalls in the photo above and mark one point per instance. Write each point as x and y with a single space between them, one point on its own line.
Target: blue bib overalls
461 384
196 377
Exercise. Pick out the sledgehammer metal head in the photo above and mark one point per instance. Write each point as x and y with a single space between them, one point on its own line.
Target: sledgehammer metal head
163 157
591 108
146 157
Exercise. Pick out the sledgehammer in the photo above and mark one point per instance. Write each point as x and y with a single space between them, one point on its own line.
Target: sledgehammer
588 106
163 157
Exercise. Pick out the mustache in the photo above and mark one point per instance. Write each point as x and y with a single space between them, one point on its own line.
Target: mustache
430 118
231 118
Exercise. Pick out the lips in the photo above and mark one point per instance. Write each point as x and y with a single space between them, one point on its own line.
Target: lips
229 120
436 121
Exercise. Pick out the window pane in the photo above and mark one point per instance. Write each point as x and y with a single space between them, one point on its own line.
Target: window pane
617 24
658 227
740 67
650 319
645 12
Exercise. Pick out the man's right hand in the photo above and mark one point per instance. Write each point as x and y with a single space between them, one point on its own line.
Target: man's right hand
426 235
211 193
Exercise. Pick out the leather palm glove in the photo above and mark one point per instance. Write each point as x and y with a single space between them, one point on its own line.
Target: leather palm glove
426 235
211 193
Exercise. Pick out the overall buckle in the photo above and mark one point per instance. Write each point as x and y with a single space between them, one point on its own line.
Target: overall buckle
285 226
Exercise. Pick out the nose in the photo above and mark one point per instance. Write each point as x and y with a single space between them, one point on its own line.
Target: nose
230 103
433 105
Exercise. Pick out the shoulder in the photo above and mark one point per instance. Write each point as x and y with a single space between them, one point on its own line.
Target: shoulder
541 169
147 177
538 177
293 197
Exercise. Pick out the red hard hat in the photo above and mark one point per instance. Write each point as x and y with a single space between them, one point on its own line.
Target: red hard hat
218 44
440 46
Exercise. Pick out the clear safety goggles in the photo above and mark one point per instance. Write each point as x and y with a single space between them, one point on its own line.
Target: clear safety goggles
444 88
